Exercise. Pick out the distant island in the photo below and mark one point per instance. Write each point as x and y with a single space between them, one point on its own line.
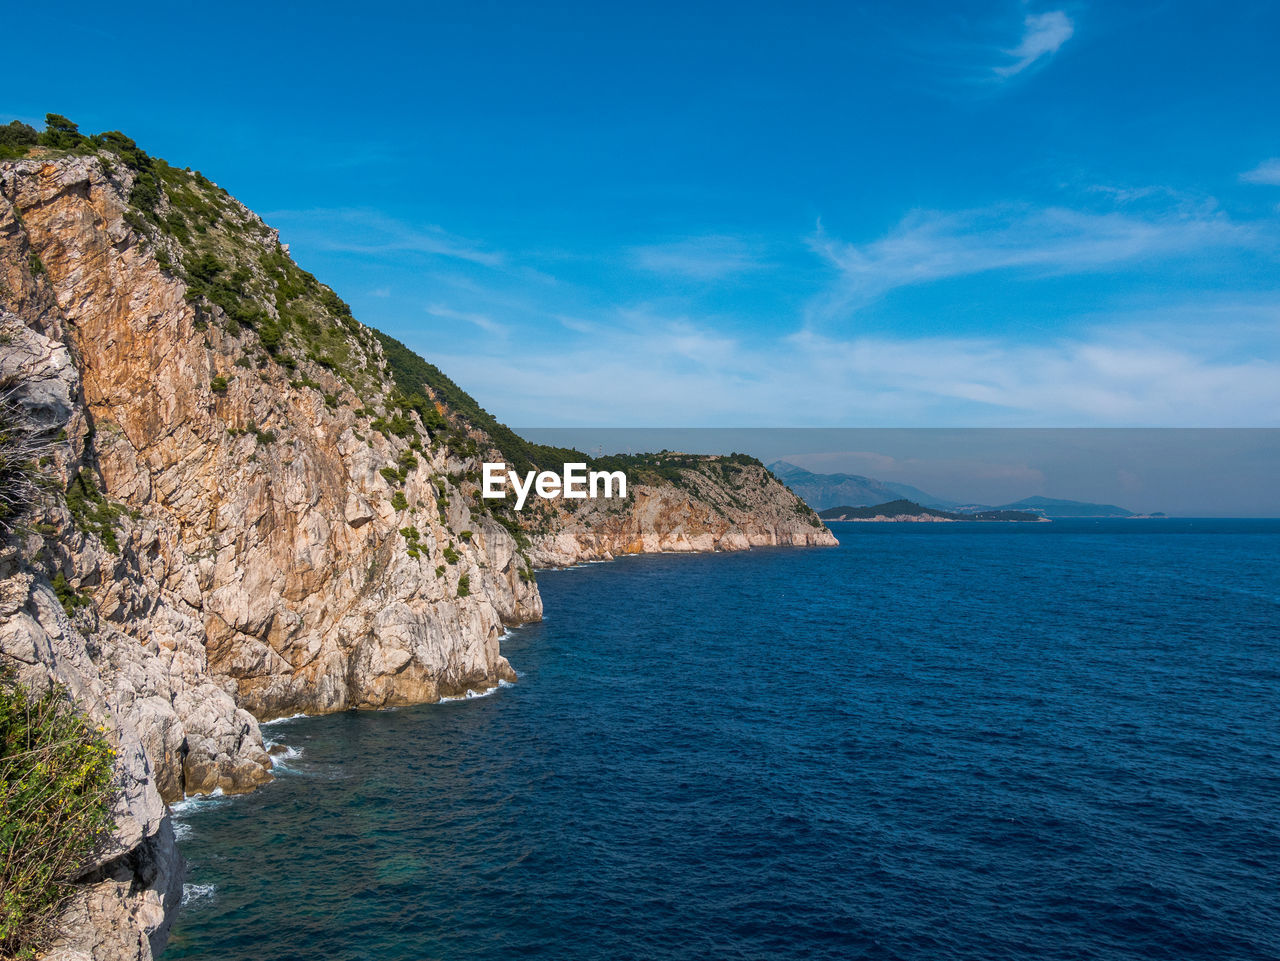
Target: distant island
1054 507
823 492
905 510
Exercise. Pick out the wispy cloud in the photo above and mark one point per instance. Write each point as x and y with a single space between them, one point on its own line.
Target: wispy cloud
1213 367
928 246
1042 35
1267 172
700 258
482 321
361 231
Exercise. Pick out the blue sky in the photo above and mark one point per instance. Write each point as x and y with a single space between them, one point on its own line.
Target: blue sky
982 214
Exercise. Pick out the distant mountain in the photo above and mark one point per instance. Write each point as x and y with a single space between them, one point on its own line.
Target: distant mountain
893 510
821 491
905 510
1053 507
847 491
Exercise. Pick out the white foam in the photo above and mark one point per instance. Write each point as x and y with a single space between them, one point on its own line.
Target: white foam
280 720
191 801
471 695
197 892
280 759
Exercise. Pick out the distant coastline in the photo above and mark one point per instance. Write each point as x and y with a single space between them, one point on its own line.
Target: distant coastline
905 511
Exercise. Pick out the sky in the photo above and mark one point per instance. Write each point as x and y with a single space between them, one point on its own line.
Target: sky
989 214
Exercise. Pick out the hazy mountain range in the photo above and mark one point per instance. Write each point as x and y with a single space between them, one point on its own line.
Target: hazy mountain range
824 491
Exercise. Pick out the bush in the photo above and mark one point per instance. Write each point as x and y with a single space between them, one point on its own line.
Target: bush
55 808
218 385
24 452
464 585
15 139
92 512
398 501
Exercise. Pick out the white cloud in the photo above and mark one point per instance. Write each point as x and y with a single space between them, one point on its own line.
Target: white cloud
1267 172
1204 369
1043 34
928 246
700 258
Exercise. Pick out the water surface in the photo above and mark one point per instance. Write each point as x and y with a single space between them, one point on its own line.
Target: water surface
938 741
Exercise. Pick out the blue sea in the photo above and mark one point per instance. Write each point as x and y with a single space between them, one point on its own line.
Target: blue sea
937 741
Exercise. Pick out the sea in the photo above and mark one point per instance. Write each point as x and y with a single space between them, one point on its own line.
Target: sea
934 742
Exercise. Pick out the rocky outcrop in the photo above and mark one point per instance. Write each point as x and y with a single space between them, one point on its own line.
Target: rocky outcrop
719 505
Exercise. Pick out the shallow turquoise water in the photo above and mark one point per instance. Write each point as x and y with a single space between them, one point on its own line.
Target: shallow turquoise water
934 742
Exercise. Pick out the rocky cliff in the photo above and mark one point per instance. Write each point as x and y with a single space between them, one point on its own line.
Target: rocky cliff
678 503
268 507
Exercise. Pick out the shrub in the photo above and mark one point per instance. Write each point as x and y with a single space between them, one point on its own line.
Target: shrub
68 596
55 808
218 385
464 585
92 512
15 139
24 450
451 555
398 501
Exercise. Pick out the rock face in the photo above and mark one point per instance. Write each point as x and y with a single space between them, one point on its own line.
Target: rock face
720 505
261 518
237 552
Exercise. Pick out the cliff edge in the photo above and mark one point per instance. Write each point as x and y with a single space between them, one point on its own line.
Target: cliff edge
263 506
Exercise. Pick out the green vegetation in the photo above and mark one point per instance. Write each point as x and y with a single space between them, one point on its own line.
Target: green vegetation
35 264
398 501
415 379
216 247
451 556
412 538
71 599
218 385
16 139
92 512
464 585
55 806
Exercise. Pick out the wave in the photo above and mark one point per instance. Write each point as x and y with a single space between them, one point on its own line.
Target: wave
197 892
472 695
191 802
281 754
